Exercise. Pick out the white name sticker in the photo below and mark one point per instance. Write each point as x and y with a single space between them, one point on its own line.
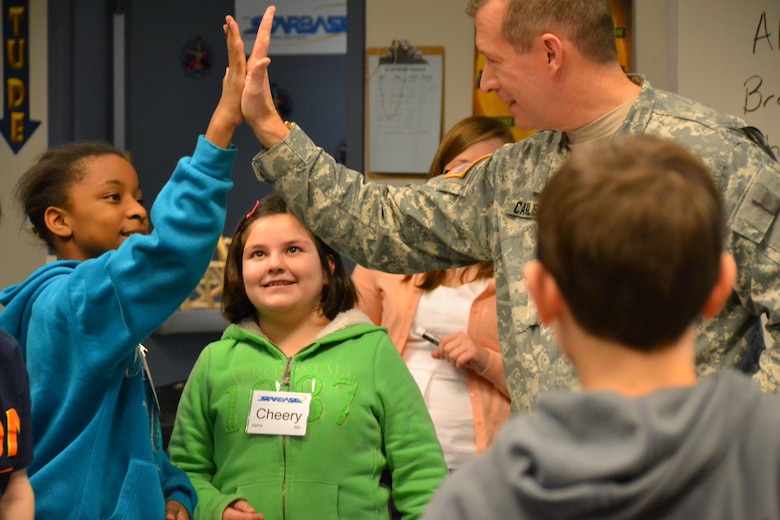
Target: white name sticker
278 413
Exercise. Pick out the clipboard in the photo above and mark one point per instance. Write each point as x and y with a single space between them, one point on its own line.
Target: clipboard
404 108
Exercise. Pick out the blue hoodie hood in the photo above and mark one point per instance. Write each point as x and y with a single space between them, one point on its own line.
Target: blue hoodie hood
19 299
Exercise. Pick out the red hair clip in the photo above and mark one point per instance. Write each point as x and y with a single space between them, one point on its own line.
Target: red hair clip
248 216
253 210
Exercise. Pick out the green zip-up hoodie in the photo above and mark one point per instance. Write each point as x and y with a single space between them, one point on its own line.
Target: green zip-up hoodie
366 415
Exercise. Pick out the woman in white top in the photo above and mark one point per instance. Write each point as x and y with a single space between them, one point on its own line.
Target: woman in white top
461 377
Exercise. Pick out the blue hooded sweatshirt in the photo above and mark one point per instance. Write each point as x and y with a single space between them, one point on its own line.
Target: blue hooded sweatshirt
97 441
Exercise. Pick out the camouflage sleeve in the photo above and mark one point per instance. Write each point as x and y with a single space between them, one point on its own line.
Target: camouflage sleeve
765 283
757 251
768 375
441 224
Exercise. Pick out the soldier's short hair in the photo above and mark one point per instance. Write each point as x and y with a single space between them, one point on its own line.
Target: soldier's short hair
588 24
632 231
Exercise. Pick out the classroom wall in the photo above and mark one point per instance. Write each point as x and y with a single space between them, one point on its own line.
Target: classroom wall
435 22
21 252
432 22
651 49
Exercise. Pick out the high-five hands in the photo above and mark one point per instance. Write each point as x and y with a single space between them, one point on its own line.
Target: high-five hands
257 103
227 115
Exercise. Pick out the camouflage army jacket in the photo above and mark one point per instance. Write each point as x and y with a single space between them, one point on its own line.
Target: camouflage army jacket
486 213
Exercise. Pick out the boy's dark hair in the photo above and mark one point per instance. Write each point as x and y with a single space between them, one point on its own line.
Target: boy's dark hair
632 232
47 182
338 294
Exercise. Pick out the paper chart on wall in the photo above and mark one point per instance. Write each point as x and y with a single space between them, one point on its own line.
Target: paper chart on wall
404 102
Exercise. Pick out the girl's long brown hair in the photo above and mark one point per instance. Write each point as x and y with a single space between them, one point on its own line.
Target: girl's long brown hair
466 132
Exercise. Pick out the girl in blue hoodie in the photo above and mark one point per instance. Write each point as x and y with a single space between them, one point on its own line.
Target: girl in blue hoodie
79 320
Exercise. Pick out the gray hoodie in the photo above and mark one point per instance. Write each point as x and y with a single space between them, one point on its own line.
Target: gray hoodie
711 451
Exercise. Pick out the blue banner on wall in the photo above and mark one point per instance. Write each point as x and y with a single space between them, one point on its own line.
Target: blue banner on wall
16 125
300 26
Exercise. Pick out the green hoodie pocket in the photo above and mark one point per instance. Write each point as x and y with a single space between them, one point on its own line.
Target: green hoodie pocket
265 497
310 499
302 500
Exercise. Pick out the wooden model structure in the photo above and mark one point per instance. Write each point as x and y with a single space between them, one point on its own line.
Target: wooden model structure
208 293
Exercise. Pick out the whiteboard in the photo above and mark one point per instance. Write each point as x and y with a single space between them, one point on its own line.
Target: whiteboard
728 57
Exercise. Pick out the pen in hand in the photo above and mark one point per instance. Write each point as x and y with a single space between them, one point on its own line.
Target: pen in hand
427 335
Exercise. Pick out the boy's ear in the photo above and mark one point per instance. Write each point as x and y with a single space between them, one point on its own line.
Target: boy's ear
544 290
724 286
57 222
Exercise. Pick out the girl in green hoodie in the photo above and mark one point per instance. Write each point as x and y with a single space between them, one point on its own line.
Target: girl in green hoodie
303 404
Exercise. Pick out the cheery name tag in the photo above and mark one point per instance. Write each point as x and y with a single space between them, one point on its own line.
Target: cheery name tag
278 413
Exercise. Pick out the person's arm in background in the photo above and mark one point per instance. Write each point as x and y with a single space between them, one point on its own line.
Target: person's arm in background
180 496
18 502
466 353
478 349
494 371
369 293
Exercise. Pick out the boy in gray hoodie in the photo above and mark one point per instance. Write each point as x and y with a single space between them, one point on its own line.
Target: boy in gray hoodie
630 259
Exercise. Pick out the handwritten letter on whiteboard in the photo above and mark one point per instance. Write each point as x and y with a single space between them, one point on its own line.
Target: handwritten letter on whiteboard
728 57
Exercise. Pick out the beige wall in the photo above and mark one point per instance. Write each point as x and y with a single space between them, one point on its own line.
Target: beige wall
430 23
21 252
652 45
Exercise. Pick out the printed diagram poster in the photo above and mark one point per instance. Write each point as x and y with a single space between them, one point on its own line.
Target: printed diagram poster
404 114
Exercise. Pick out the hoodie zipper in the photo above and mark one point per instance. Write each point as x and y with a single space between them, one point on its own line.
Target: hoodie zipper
286 386
286 375
154 413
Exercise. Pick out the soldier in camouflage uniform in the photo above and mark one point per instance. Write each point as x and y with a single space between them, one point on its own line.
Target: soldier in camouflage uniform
485 212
